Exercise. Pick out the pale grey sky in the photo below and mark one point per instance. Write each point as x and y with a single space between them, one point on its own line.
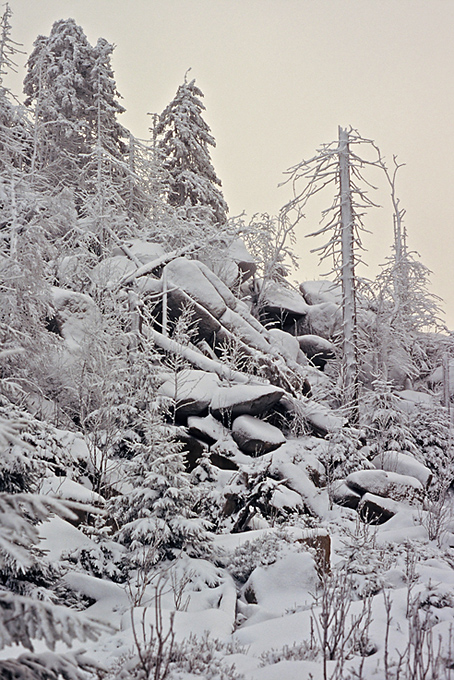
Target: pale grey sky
279 76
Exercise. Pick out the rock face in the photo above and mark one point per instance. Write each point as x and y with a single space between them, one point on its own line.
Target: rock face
244 399
317 349
256 437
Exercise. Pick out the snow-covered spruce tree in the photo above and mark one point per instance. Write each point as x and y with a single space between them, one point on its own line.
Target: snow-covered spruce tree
104 176
183 141
27 605
154 514
56 85
336 163
385 426
71 87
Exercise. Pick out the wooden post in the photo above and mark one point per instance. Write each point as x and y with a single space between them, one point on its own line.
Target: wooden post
350 352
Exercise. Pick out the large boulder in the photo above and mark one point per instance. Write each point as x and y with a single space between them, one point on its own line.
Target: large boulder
208 428
244 399
222 289
190 390
317 349
386 484
287 345
240 255
295 478
75 315
256 437
110 271
206 325
375 509
188 275
280 300
435 379
324 320
145 251
396 461
342 494
239 326
316 292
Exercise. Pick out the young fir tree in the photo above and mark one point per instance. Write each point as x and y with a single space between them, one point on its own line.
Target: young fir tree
155 515
183 141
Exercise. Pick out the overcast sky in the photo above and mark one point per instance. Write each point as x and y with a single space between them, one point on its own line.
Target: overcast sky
279 76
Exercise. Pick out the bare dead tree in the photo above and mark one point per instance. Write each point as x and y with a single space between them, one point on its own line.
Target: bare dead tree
337 164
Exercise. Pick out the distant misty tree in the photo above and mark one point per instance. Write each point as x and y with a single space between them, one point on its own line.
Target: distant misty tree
183 141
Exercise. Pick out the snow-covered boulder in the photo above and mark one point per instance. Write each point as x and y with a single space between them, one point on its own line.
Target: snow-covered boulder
75 315
395 461
386 484
321 419
285 344
256 437
207 428
187 275
238 253
244 399
68 489
243 329
375 509
415 397
314 500
216 282
342 494
317 349
400 367
280 300
315 292
109 272
435 379
283 585
324 320
191 390
145 251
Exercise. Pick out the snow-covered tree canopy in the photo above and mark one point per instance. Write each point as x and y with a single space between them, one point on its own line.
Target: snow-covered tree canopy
184 139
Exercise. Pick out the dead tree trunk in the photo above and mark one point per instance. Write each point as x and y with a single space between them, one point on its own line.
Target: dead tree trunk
350 348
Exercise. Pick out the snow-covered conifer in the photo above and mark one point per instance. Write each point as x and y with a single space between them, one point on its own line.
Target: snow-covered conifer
184 139
155 514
